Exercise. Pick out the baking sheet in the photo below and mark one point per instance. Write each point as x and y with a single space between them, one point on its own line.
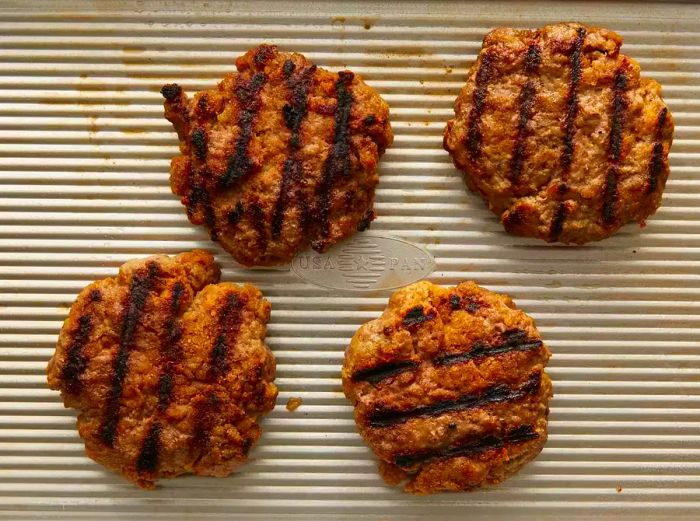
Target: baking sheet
84 155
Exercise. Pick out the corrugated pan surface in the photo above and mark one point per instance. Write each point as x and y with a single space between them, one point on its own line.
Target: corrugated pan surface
84 156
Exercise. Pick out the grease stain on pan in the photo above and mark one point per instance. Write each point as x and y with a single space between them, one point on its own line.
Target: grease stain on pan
365 263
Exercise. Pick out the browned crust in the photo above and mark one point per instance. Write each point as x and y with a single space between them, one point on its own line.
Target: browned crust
143 356
449 387
278 156
567 143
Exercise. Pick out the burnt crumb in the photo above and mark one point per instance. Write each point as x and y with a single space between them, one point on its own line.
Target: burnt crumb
514 218
370 120
95 295
171 91
388 330
454 302
264 54
203 103
452 426
288 68
247 444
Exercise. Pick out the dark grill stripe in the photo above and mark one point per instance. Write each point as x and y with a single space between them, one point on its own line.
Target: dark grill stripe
136 300
483 76
256 216
656 163
378 373
511 341
557 225
526 102
520 434
416 316
170 354
248 95
199 198
229 325
494 394
147 460
294 114
199 143
338 161
610 192
76 362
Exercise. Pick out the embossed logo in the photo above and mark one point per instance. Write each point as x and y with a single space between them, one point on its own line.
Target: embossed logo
365 263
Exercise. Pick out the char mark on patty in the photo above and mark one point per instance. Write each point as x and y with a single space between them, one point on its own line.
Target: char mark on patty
170 354
483 76
416 316
557 225
381 418
294 113
619 104
199 143
248 96
520 434
656 163
338 161
139 289
514 341
378 373
526 102
76 363
230 319
199 198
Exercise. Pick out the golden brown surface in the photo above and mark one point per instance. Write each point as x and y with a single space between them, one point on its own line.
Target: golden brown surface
449 387
167 369
278 156
559 134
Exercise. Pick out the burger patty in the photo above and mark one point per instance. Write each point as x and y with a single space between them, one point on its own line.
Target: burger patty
449 387
559 134
167 369
280 155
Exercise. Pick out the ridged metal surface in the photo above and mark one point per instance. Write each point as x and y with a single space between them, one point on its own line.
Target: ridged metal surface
84 156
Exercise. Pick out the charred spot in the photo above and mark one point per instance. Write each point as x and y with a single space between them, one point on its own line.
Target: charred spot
288 68
388 330
369 120
572 100
256 216
416 316
171 91
205 415
518 435
381 417
656 163
165 389
229 325
235 215
454 302
452 426
203 104
514 218
95 295
380 372
199 198
247 444
610 196
513 341
469 304
263 54
199 143
147 460
76 363
619 105
526 102
533 59
366 220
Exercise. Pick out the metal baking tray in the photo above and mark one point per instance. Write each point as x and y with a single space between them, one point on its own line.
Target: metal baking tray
84 156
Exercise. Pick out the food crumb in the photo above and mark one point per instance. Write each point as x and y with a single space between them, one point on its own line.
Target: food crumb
618 488
293 404
368 23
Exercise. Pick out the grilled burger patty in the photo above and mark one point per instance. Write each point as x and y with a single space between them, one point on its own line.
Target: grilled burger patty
167 369
449 387
280 155
559 134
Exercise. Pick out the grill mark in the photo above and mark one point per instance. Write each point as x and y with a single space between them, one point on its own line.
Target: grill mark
380 418
147 460
248 95
610 192
294 114
136 300
557 225
483 77
257 221
199 198
416 316
199 143
469 304
338 161
481 350
235 215
656 163
520 434
76 362
526 102
229 325
376 374
205 418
